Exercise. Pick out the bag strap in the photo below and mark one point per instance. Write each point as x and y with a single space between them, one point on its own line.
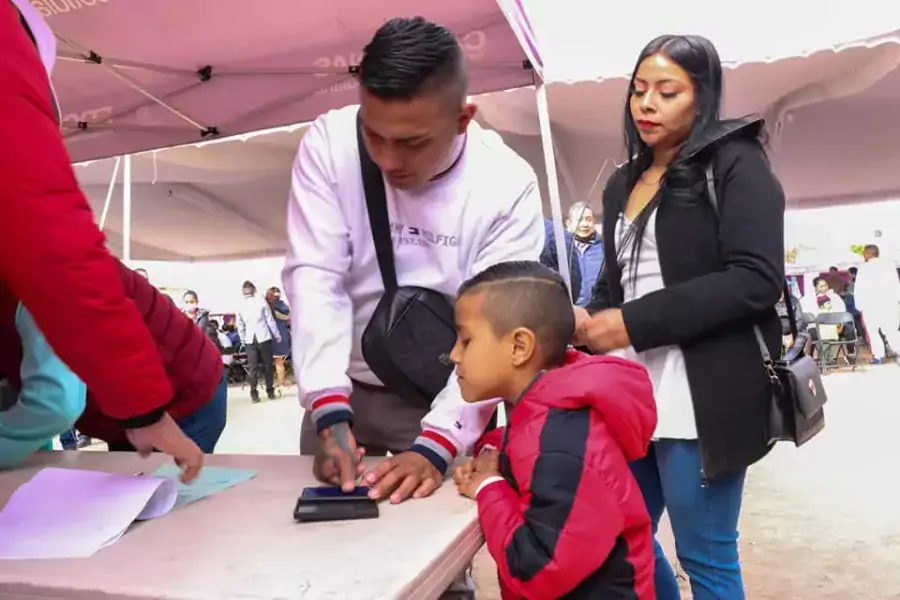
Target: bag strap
376 205
792 318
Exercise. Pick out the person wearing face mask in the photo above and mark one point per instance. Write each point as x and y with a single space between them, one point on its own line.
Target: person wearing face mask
51 249
458 200
590 248
200 316
684 284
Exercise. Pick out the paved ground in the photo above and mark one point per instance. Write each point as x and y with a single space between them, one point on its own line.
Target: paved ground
819 523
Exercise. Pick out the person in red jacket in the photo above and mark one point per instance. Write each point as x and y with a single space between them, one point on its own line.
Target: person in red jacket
193 367
53 258
561 513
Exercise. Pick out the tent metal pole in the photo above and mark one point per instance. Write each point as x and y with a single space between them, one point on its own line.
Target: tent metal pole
109 193
553 183
126 211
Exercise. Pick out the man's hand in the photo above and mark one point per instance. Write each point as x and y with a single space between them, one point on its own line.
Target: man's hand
403 475
166 436
603 332
338 461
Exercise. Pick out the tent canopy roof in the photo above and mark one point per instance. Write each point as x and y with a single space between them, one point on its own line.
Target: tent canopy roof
135 76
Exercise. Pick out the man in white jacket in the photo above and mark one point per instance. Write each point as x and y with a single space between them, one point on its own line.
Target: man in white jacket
877 296
459 201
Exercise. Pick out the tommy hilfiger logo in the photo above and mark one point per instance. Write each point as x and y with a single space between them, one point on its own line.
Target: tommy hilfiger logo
407 235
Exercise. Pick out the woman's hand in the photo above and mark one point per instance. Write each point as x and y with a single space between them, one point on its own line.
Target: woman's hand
603 332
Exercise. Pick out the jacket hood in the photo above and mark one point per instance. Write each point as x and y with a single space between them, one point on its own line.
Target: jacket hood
620 390
746 127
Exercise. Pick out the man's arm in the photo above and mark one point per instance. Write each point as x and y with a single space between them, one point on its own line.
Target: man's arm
565 533
452 426
318 258
50 400
50 248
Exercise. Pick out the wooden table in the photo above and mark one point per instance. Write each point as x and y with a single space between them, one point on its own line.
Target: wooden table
244 544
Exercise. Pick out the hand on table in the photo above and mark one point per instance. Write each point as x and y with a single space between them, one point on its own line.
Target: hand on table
469 476
166 436
408 473
603 332
338 461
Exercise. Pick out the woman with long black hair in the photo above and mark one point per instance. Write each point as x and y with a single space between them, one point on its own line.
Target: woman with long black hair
687 276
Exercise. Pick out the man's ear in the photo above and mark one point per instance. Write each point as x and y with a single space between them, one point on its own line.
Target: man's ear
523 346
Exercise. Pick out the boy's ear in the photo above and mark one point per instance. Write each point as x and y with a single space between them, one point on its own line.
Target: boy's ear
523 346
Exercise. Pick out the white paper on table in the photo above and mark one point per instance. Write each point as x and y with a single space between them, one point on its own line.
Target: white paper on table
72 513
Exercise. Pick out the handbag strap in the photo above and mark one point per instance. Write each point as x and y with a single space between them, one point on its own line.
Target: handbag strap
792 318
376 206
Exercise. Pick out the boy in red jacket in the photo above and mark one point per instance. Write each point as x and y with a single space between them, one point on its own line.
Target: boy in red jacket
561 513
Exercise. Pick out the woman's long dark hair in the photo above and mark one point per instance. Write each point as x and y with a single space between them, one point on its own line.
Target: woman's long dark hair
699 58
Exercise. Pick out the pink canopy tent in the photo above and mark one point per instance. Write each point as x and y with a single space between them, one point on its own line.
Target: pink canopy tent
831 114
134 76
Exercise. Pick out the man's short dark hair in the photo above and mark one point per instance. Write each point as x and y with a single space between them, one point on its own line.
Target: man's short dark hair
816 280
527 294
409 58
873 250
248 285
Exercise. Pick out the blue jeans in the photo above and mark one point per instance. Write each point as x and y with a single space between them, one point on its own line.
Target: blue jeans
207 424
204 426
704 520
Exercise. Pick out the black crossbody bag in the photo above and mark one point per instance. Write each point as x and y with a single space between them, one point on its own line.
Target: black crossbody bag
796 395
408 340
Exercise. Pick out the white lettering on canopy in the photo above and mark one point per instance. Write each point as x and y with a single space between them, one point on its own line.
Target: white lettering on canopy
48 8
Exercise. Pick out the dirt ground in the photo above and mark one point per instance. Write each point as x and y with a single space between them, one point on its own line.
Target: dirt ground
819 522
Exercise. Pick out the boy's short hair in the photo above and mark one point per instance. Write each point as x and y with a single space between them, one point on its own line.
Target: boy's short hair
527 294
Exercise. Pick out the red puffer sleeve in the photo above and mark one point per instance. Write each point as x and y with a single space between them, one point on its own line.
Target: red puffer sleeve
490 439
545 548
53 257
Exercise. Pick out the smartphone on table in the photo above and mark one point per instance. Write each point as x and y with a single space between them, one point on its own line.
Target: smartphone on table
331 503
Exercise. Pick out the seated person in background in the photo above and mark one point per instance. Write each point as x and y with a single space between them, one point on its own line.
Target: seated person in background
193 366
559 507
827 300
810 301
44 402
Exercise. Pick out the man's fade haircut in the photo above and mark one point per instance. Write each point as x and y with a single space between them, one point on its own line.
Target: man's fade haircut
873 250
527 294
411 57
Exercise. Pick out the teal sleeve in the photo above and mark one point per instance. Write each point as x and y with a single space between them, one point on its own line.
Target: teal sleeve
50 401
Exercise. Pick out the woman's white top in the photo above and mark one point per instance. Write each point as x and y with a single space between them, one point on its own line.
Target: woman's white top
674 406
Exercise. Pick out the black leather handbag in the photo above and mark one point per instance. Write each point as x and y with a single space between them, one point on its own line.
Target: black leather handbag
797 396
408 340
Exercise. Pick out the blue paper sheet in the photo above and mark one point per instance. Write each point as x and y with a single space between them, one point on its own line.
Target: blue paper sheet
212 480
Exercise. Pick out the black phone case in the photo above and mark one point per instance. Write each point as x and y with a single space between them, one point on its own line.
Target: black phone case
311 510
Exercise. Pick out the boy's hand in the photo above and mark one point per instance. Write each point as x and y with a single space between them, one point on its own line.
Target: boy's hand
471 475
488 460
467 483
